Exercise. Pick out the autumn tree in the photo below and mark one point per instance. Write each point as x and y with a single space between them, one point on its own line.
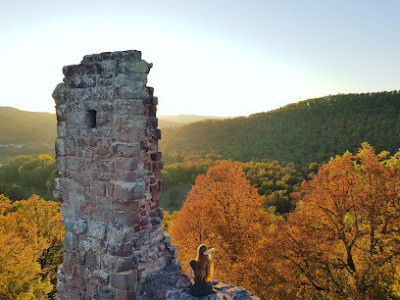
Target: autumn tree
30 248
343 240
223 211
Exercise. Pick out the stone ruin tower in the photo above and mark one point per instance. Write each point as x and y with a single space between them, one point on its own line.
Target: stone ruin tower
108 177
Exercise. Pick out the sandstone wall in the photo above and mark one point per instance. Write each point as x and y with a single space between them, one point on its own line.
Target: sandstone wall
108 177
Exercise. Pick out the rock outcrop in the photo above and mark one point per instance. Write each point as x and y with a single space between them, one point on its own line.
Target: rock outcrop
169 283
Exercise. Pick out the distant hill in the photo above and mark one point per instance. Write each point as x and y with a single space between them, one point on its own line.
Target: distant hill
17 126
308 131
180 120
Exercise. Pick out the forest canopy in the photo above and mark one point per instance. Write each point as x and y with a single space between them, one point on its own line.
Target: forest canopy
305 132
341 242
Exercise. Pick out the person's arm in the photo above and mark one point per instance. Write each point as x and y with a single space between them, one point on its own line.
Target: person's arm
190 274
211 251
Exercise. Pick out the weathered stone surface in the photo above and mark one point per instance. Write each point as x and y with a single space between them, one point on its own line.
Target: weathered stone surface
97 230
77 226
124 281
130 190
70 241
106 292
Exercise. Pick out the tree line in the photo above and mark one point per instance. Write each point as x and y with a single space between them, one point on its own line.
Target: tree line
308 131
23 176
274 180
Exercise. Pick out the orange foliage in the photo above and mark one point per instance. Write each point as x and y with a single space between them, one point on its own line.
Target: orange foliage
341 242
28 229
344 237
222 211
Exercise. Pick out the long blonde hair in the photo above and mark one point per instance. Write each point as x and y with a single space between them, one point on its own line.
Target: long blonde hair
204 266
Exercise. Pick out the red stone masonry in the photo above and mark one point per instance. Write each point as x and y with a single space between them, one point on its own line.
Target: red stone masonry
108 177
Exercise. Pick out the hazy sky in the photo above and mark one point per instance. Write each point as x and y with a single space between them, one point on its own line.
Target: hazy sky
217 57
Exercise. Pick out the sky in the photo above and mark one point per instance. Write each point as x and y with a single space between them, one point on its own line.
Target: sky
215 58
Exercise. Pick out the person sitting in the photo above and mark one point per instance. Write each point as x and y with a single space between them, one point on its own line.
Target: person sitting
200 272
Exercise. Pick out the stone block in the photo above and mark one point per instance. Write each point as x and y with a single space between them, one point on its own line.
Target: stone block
131 135
155 221
76 226
153 122
61 129
126 205
69 146
124 281
61 184
103 149
76 164
82 94
91 290
61 163
131 92
74 131
152 110
82 142
110 187
126 295
80 81
107 293
101 277
135 122
128 108
158 165
96 208
70 241
103 92
126 164
120 233
91 244
67 210
108 67
98 188
60 146
128 150
117 264
96 230
131 80
76 197
156 134
134 66
107 107
130 190
121 175
59 94
104 118
154 100
77 187
167 238
73 70
119 249
129 55
92 260
126 218
77 119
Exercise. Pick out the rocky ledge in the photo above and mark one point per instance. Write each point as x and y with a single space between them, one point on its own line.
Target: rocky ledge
169 283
